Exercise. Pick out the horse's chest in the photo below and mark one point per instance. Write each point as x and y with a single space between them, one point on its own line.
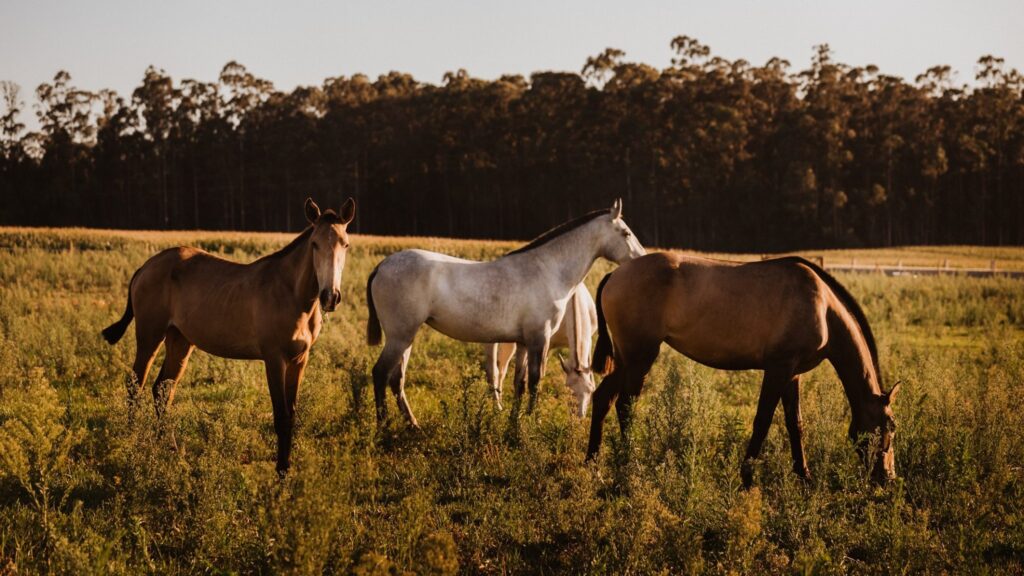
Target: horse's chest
303 337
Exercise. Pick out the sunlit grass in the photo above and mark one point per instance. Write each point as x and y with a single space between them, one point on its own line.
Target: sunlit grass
82 491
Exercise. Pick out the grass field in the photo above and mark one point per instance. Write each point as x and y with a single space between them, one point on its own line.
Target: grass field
475 491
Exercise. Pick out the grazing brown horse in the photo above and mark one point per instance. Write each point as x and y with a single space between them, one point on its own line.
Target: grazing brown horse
782 316
268 310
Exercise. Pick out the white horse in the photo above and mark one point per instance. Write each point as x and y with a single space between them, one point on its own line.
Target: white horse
575 332
520 297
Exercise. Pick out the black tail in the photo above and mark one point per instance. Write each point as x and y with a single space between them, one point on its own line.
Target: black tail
851 304
115 331
603 352
373 334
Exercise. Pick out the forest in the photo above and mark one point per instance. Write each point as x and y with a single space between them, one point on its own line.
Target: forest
708 153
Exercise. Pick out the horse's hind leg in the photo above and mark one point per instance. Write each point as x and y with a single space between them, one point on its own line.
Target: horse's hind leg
537 356
397 383
520 376
496 364
177 350
601 402
147 343
771 391
634 373
390 371
794 426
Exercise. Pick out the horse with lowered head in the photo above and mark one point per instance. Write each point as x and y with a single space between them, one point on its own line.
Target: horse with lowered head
268 310
783 316
573 333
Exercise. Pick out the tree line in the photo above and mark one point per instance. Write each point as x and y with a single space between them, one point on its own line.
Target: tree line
708 153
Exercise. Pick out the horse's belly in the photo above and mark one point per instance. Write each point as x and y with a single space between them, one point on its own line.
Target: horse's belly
228 335
720 355
472 330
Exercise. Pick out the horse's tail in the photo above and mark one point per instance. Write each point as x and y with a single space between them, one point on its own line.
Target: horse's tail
373 334
851 305
603 352
115 331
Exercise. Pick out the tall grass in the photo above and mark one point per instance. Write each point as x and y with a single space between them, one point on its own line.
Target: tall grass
83 490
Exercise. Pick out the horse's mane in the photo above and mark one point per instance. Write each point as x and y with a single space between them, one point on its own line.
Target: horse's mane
291 247
328 216
559 230
851 305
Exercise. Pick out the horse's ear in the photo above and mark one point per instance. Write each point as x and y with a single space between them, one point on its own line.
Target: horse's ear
891 394
312 211
565 366
616 210
348 211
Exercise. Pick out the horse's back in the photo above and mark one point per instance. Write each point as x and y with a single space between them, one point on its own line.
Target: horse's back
723 314
465 299
209 299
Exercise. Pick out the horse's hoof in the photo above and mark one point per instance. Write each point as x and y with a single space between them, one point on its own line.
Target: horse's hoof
747 474
804 476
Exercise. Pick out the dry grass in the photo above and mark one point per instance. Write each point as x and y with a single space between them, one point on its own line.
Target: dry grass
83 491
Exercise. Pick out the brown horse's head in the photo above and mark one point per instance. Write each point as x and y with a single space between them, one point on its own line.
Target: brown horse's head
873 431
329 241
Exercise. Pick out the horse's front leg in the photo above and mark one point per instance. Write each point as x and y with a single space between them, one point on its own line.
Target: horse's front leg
537 357
292 378
795 426
283 417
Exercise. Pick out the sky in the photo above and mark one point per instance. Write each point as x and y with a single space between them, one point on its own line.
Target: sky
109 43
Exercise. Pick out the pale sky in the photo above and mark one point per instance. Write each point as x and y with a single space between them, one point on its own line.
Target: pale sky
109 43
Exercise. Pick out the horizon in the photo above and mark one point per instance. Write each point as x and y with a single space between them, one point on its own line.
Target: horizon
111 49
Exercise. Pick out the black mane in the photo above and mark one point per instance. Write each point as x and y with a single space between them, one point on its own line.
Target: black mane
559 230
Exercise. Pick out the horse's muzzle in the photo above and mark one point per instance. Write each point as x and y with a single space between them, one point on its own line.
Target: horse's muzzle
329 299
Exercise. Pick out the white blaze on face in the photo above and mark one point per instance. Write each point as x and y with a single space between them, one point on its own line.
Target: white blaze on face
581 382
329 253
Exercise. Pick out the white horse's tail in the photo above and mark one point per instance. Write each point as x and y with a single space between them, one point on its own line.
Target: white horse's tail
373 333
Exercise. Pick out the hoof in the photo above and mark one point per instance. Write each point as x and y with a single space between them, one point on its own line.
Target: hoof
804 475
747 474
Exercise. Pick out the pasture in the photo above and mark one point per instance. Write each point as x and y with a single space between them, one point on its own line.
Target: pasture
476 490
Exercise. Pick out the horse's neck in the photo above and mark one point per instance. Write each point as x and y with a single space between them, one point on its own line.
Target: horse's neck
298 266
571 321
851 358
577 335
568 258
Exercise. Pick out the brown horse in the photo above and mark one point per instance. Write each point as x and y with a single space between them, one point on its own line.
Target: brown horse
268 310
782 316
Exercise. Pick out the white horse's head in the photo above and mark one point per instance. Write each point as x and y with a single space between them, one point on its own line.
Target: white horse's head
580 380
617 242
